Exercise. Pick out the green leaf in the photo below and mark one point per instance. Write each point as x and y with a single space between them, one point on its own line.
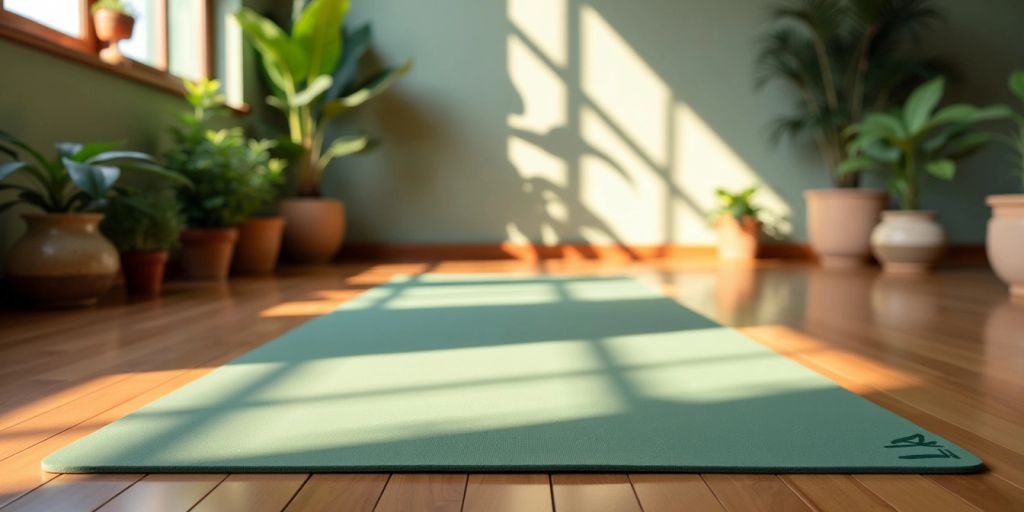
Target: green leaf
160 172
108 156
94 180
1017 84
286 63
959 113
922 103
852 165
10 139
87 151
317 34
344 146
356 44
944 169
992 112
967 144
307 95
10 168
369 90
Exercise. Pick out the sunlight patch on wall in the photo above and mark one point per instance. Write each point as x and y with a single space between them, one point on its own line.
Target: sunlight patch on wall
543 92
543 23
534 162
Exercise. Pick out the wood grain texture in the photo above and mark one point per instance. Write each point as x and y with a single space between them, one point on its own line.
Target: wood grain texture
507 493
593 493
440 492
944 351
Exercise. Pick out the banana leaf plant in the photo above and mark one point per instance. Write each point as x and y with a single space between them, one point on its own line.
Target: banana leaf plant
312 73
80 178
918 139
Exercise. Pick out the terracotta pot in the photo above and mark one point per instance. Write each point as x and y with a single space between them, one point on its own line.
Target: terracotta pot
839 224
314 228
1005 240
144 272
62 260
112 26
259 243
738 240
206 253
908 241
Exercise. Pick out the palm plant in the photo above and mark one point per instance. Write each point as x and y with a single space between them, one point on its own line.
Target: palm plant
845 58
312 77
80 178
916 138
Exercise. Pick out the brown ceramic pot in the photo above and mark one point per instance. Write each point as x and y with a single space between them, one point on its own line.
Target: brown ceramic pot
738 240
62 260
314 228
1005 241
206 253
144 272
259 243
839 224
112 26
908 241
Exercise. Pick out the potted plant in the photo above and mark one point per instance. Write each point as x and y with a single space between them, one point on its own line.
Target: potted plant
738 225
1005 240
144 226
844 58
114 21
259 237
312 79
225 169
905 145
63 259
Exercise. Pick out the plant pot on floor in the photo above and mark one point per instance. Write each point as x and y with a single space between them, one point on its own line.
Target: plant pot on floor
1005 241
738 240
314 228
62 260
112 27
206 253
259 244
144 272
840 222
908 241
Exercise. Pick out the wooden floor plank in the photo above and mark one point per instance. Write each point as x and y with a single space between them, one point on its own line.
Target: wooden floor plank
252 493
913 493
422 492
985 491
164 493
754 493
340 493
669 493
835 492
508 493
593 493
73 492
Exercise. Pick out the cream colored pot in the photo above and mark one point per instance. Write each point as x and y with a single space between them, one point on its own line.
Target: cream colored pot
314 228
908 241
1005 240
62 260
839 224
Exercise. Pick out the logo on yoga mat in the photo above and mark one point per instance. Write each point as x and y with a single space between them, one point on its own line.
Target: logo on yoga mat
918 442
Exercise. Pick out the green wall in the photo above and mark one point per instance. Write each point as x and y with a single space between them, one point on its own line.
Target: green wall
603 120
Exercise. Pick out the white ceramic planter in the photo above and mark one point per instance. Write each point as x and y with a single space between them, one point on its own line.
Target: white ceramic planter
839 224
908 241
1005 241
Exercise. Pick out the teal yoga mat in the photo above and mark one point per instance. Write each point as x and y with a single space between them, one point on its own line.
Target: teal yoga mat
499 373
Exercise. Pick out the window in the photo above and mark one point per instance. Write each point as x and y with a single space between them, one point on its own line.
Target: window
172 39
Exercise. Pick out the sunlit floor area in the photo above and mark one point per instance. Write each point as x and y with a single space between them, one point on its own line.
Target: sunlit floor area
943 351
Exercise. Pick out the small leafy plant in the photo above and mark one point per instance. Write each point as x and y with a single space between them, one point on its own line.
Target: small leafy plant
917 139
1017 139
737 205
113 5
144 221
234 177
80 178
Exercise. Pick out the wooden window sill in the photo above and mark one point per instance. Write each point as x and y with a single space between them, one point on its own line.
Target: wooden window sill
131 70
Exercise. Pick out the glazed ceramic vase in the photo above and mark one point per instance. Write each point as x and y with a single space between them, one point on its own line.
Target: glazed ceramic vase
738 240
259 244
908 241
314 228
111 28
839 224
62 260
1005 241
144 272
206 253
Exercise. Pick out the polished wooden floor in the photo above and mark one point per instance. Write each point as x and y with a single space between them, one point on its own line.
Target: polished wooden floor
945 351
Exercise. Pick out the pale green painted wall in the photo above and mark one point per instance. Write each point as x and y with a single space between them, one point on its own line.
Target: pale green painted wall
444 173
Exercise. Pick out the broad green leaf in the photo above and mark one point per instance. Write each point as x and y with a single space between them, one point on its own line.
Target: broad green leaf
119 155
959 113
852 165
158 171
67 149
286 63
882 152
1017 84
94 180
922 103
355 45
10 139
992 112
966 144
87 151
344 146
11 167
944 169
318 35
369 90
887 124
309 94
